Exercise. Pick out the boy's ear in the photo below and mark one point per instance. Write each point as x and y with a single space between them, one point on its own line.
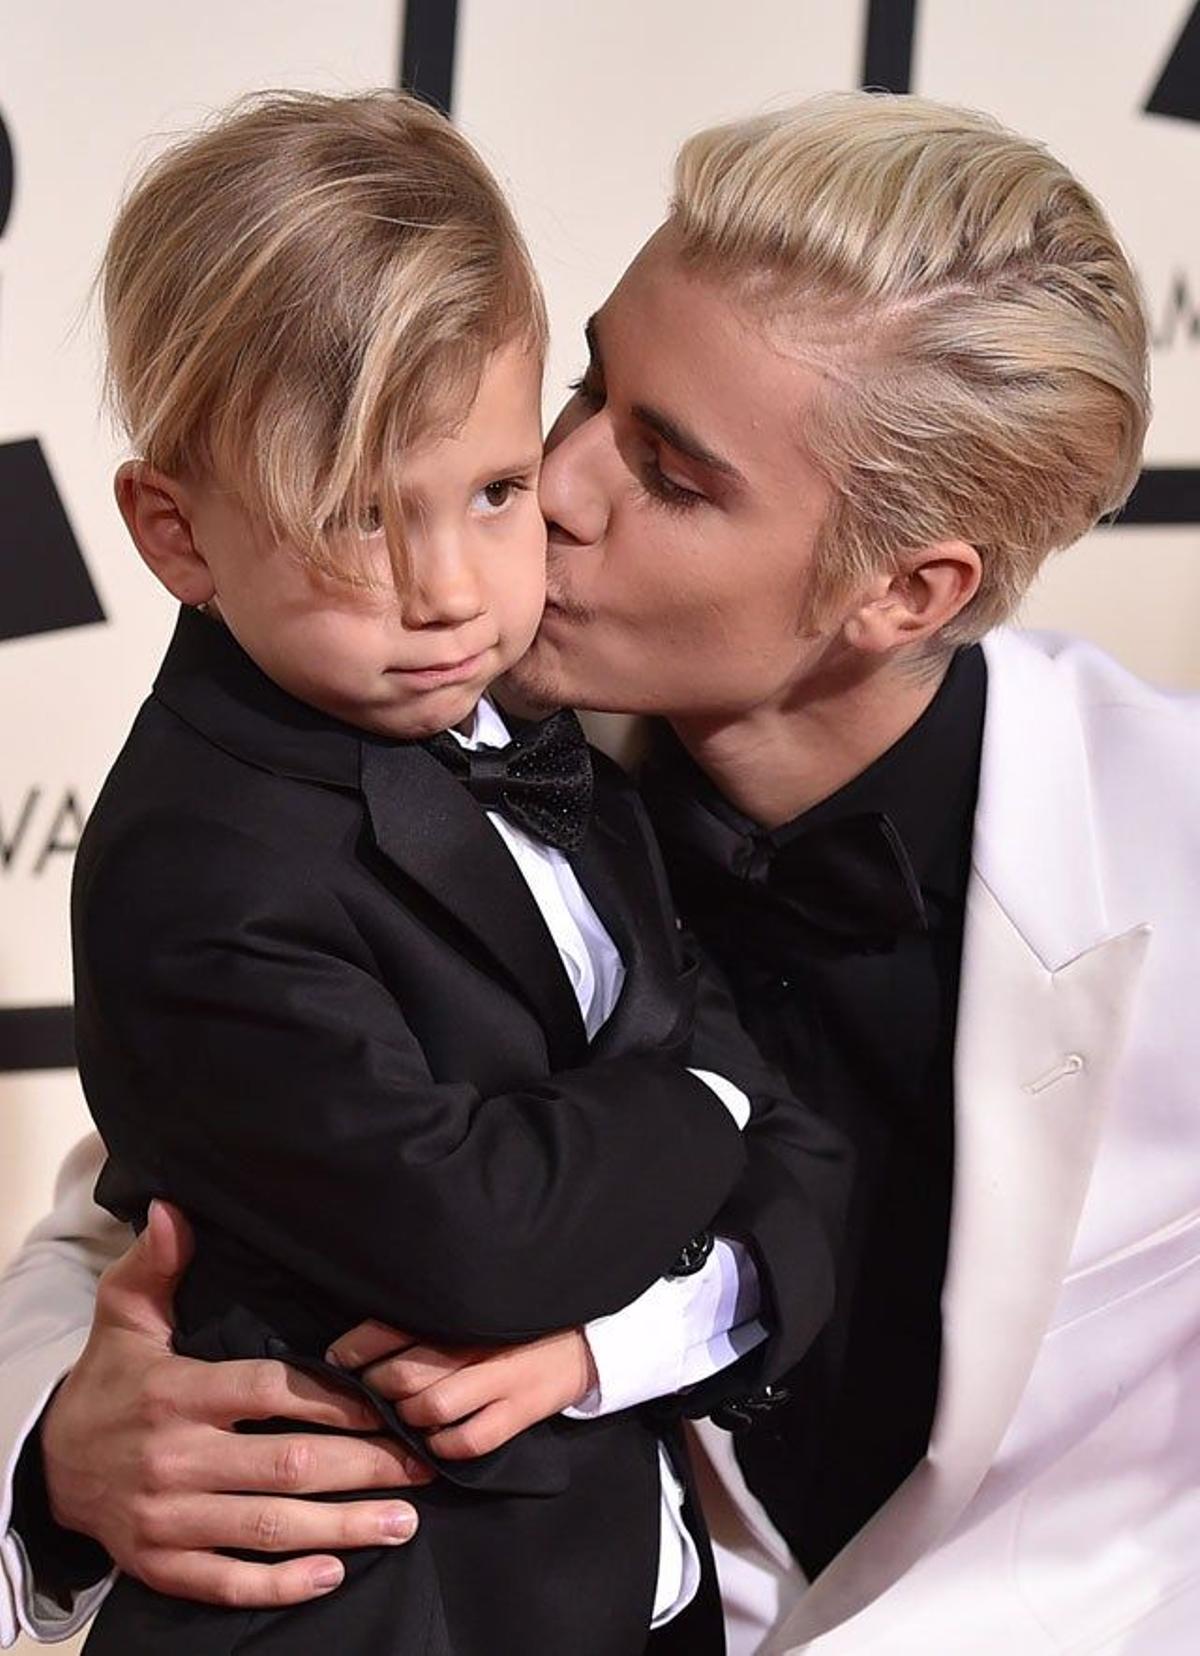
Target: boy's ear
917 601
157 514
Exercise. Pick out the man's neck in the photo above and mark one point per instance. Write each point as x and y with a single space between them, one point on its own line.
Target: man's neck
775 762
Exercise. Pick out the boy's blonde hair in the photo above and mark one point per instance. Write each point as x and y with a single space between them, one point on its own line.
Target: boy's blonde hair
297 294
978 327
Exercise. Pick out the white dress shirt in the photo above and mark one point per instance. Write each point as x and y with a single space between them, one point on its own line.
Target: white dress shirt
680 1330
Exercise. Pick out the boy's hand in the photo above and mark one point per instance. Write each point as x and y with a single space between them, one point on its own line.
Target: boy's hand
470 1399
140 1452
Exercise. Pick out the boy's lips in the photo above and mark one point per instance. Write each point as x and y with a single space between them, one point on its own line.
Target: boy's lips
444 672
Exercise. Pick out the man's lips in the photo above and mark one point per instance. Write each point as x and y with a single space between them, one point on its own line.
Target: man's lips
562 609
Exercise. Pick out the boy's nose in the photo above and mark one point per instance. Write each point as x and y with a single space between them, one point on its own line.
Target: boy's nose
442 591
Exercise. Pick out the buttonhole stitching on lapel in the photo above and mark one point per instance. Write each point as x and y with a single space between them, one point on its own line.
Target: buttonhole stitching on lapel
1071 1065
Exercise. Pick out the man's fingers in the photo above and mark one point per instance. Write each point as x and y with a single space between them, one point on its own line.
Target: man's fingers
305 1464
169 1240
261 1389
210 1579
259 1523
137 1291
367 1343
418 1368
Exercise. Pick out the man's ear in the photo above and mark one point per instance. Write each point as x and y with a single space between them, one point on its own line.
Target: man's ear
917 601
158 515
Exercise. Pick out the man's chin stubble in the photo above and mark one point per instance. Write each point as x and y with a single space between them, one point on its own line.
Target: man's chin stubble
531 689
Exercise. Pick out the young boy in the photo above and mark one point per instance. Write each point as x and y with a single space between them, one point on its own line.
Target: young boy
385 994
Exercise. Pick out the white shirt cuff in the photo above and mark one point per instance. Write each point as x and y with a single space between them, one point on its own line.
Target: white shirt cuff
733 1098
679 1332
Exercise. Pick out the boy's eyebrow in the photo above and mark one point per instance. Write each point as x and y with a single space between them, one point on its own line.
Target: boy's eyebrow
671 431
516 468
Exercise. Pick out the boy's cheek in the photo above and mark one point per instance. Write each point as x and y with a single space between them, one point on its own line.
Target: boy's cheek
523 602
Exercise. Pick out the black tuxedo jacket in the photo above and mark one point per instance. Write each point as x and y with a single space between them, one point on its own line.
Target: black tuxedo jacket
317 1007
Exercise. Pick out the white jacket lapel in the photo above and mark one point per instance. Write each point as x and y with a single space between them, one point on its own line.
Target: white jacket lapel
1043 1013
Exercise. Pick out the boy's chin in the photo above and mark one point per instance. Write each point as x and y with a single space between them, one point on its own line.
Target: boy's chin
430 717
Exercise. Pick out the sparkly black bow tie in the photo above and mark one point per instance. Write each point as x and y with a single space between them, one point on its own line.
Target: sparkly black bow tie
542 780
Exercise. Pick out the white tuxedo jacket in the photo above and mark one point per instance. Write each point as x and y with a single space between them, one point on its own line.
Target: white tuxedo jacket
1058 1508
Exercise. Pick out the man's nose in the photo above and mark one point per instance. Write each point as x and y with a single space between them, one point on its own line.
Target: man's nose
573 492
442 588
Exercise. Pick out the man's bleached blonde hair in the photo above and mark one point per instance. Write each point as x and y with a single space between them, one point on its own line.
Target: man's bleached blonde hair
980 334
303 290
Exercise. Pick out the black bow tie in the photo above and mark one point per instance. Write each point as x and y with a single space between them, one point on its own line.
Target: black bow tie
542 780
850 878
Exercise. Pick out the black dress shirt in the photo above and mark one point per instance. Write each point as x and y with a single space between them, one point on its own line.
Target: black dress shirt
861 1017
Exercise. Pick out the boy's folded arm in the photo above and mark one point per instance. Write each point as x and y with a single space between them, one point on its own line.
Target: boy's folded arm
275 1091
682 1331
752 1310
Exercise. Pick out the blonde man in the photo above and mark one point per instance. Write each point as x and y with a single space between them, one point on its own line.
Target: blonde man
882 359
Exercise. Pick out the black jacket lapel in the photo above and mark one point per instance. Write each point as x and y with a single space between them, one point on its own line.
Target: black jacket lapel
428 826
617 867
424 822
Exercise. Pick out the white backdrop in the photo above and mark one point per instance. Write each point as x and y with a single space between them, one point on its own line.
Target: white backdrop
579 107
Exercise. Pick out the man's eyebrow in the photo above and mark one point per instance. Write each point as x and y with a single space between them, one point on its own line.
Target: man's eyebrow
686 442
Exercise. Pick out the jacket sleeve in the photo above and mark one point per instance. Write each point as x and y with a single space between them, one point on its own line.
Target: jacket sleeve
47 1295
269 1084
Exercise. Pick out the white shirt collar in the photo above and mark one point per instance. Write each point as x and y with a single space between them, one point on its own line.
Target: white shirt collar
487 730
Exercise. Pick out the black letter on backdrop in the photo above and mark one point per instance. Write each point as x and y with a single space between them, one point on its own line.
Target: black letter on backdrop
44 583
427 64
888 52
1178 89
7 173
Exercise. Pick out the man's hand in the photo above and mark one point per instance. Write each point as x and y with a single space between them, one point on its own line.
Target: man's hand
140 1452
469 1399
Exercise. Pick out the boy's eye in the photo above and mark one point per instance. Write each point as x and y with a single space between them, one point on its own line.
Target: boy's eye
498 494
369 521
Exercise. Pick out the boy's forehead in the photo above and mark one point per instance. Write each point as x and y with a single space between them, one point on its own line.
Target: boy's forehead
500 425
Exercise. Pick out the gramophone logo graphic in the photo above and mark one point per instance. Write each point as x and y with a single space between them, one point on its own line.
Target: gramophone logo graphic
44 587
44 582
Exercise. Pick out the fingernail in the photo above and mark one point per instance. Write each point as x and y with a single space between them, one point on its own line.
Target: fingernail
399 1525
327 1577
334 1358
